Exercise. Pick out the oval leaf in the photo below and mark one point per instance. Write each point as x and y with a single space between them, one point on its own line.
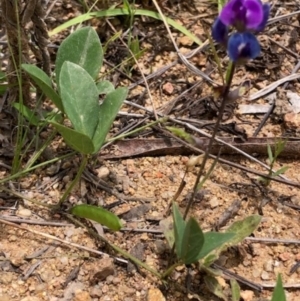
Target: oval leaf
98 214
179 227
44 83
243 228
80 98
76 140
83 48
213 240
192 241
108 112
105 87
166 225
27 113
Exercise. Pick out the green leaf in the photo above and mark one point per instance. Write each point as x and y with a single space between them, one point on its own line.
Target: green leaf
121 12
181 133
239 230
74 139
278 294
2 76
83 48
44 83
136 51
214 286
210 259
108 112
105 87
166 225
98 214
3 88
243 228
179 227
279 147
27 113
280 171
192 242
213 240
80 98
235 290
3 85
270 154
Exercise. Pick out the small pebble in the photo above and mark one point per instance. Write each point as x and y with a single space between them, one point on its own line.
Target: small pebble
247 295
103 172
265 275
255 273
285 256
185 41
116 280
214 202
105 267
23 212
268 266
95 292
154 294
168 88
82 296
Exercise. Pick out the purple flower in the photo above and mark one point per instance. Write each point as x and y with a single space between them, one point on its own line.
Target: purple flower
245 14
266 14
247 17
242 47
220 32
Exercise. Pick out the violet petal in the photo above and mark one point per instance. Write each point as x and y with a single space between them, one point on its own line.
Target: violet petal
266 14
243 46
219 31
254 13
228 13
242 13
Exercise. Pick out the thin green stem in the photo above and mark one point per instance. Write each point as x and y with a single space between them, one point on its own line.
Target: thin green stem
169 270
41 149
24 172
75 181
161 120
116 248
21 134
229 77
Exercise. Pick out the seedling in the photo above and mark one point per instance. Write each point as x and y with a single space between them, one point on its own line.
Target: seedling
192 245
278 294
279 147
78 63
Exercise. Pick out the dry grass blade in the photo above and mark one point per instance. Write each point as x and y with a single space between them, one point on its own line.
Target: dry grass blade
280 18
273 86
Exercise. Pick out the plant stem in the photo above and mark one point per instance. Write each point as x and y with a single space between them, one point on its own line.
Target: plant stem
24 172
161 120
229 77
75 181
116 248
41 149
169 270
